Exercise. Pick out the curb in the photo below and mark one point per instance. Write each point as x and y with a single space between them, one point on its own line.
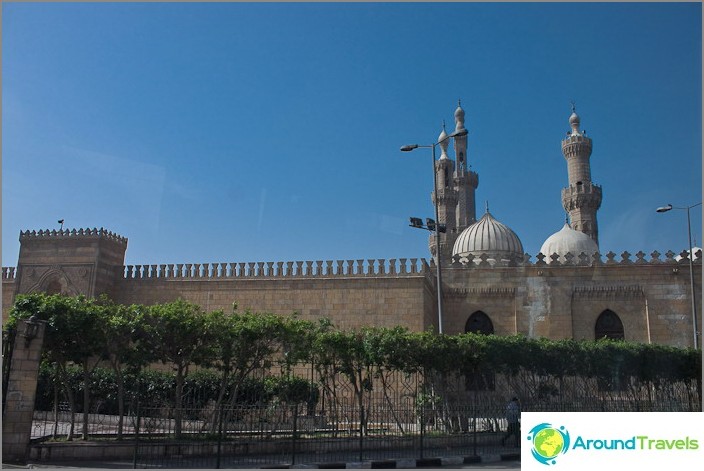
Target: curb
406 463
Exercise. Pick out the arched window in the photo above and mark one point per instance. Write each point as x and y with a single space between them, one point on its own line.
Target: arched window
479 323
609 326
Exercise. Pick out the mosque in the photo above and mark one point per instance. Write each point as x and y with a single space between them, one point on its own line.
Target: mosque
487 283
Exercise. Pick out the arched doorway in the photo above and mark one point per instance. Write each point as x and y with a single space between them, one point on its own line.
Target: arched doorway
608 326
479 323
479 379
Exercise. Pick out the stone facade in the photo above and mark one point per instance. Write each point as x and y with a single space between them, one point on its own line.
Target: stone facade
649 294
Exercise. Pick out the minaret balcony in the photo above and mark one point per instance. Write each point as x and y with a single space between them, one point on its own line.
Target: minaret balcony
581 196
447 196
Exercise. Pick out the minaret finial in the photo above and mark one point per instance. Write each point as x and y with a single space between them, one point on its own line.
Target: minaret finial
459 102
487 206
573 106
443 124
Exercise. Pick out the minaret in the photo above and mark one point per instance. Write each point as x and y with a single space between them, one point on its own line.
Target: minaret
447 201
582 198
466 181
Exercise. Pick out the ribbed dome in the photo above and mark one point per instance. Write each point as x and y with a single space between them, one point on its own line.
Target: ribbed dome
568 240
488 236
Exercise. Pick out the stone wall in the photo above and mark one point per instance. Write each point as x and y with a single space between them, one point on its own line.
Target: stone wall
559 301
541 298
349 302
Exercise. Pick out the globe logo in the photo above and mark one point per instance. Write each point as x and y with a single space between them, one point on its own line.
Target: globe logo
548 442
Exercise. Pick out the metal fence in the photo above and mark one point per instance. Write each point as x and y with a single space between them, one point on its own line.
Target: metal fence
383 416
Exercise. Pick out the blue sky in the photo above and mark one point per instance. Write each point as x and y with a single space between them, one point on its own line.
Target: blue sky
230 132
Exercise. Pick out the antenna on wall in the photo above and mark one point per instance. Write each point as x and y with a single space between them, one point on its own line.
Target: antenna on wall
61 221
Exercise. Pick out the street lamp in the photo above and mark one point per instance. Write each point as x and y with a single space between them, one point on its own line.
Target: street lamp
435 227
664 209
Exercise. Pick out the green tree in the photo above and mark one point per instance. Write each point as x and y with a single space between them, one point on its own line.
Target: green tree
178 336
125 348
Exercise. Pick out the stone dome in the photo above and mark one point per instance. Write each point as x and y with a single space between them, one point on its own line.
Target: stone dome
568 240
488 236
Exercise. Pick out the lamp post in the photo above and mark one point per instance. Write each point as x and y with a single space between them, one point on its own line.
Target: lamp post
664 209
437 228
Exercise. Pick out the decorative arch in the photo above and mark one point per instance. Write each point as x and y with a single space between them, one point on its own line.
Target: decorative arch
608 325
54 281
479 323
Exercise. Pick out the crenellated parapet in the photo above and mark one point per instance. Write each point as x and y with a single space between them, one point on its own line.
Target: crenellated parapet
73 233
383 267
555 260
9 273
295 269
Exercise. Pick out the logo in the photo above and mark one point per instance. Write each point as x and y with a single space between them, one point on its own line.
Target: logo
548 442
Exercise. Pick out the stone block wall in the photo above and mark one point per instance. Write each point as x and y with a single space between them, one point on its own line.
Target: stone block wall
21 393
350 302
564 301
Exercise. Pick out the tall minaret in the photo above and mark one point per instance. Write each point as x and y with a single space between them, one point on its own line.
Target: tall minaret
447 201
582 198
466 181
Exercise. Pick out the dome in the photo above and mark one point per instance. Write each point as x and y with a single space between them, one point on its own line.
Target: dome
568 240
694 251
488 236
574 119
459 118
459 112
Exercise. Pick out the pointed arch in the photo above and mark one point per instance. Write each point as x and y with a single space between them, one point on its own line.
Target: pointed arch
480 379
608 325
479 323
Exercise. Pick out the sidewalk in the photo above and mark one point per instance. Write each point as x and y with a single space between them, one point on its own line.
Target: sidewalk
502 461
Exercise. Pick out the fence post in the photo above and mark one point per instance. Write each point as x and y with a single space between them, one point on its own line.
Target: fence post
217 463
21 390
8 342
474 420
136 430
295 429
422 426
361 433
